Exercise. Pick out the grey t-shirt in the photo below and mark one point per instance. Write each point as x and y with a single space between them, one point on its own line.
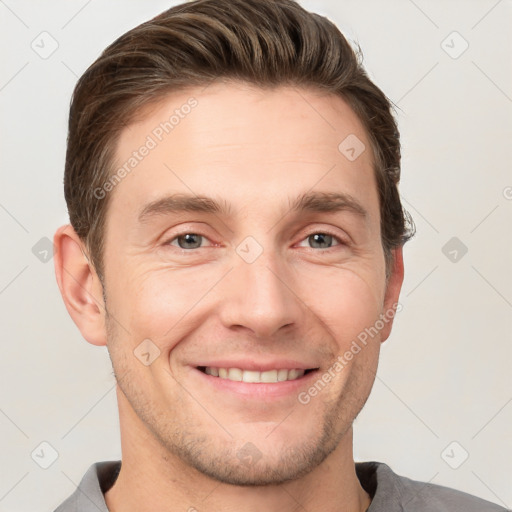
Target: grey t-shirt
389 492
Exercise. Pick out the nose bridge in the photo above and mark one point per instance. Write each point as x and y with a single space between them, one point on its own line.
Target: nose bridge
261 296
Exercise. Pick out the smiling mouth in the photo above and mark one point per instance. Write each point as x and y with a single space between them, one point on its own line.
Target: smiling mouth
251 376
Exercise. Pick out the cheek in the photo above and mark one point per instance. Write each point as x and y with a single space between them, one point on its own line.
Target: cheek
164 304
346 301
159 303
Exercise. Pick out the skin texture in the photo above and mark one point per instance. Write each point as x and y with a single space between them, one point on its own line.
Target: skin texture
182 437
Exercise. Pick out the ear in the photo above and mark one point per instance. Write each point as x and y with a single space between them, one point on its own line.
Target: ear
394 285
79 285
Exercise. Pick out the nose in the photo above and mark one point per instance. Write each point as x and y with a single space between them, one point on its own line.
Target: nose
259 297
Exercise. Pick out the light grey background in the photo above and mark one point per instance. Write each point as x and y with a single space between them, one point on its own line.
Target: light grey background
444 374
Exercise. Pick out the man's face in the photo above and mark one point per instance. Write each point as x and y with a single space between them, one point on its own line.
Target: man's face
261 287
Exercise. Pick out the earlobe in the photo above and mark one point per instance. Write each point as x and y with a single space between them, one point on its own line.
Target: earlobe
392 295
79 285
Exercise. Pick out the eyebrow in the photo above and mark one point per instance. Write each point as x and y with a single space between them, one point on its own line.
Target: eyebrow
328 202
307 202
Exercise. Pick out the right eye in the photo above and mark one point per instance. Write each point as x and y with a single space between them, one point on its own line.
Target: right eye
187 241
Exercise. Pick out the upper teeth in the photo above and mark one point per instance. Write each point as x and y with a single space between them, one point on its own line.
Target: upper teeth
254 376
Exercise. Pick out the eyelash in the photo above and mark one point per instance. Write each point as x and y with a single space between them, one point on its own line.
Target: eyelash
341 241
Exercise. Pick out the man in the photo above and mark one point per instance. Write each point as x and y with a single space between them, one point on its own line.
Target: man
236 228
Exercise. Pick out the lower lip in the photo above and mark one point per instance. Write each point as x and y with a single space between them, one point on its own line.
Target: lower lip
257 390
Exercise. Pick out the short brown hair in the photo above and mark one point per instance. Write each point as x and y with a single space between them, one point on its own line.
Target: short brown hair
263 42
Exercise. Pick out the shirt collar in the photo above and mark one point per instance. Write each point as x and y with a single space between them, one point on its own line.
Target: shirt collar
376 478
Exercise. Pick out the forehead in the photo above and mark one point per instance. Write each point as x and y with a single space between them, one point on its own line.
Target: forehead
249 145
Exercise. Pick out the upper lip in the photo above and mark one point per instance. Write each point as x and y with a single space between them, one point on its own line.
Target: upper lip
261 366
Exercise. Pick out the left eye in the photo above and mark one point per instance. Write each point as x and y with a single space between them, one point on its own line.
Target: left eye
319 240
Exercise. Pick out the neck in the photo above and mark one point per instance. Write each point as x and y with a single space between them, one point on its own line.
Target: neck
152 479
